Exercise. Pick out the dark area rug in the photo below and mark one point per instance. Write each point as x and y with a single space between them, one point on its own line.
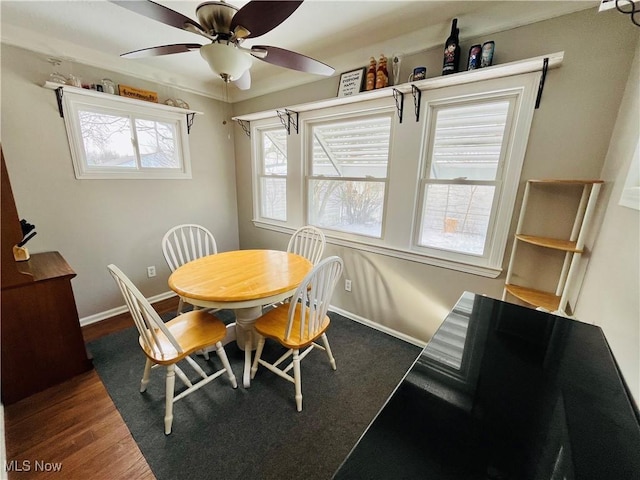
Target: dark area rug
256 433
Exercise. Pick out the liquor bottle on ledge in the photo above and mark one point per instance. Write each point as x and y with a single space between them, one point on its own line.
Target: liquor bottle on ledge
452 50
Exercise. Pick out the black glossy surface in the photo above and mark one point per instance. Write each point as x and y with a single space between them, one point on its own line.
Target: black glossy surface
505 392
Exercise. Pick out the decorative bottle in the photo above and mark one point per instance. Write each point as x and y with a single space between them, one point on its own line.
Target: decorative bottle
371 75
382 74
451 50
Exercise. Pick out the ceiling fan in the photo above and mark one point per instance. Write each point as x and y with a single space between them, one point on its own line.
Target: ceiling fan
227 27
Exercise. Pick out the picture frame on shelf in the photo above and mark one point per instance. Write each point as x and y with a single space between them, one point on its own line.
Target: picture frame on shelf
351 82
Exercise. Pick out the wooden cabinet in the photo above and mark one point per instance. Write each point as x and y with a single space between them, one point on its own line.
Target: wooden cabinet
571 247
42 342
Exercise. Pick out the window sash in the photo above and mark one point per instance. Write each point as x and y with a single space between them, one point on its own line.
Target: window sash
142 163
444 226
271 184
352 153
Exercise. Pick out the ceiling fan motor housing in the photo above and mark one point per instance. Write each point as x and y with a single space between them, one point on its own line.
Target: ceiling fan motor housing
216 17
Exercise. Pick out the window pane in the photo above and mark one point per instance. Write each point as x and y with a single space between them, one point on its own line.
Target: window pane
468 141
107 140
353 148
273 198
349 206
456 217
274 152
157 144
273 182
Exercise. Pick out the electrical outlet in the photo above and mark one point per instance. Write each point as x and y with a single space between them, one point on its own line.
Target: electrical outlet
151 271
347 285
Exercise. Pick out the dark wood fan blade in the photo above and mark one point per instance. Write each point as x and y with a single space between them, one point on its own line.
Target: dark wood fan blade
288 59
158 12
259 17
244 82
162 50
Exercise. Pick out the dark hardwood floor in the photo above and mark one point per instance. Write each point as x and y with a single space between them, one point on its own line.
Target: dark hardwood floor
73 430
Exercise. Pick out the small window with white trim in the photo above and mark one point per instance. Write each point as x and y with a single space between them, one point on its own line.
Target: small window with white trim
110 139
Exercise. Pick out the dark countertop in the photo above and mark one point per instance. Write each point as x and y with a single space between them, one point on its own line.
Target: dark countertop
505 392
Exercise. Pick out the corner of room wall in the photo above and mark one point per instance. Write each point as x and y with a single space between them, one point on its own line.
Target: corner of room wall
609 295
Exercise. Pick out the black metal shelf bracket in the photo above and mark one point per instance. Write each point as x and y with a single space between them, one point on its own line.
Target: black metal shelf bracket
59 92
545 66
245 127
190 117
399 105
417 96
289 121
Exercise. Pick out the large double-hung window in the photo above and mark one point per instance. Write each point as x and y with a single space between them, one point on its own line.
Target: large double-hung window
462 177
348 169
438 190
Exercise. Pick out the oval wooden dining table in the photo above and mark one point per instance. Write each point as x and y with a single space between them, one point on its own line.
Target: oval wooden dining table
242 280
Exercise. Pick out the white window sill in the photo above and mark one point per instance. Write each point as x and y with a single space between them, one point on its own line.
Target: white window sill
394 252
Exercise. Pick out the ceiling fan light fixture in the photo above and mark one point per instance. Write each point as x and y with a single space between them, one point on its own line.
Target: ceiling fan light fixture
226 60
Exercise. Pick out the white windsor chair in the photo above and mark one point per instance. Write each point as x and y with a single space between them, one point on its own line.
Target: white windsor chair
299 326
168 343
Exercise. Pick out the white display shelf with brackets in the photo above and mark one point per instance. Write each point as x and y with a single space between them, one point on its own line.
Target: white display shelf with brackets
117 98
552 60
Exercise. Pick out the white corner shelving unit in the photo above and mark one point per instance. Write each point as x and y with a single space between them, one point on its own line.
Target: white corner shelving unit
573 246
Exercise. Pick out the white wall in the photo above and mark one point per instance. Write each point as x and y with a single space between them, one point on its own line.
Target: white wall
610 294
569 138
96 222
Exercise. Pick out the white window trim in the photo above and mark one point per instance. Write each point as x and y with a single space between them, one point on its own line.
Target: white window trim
256 168
529 70
73 97
523 89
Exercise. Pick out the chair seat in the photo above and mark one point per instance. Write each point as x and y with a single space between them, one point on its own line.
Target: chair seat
193 330
273 325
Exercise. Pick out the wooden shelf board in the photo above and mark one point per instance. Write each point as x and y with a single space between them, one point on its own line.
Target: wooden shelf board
557 244
535 297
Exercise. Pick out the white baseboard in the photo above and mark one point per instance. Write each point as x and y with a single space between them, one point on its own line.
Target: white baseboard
377 326
98 317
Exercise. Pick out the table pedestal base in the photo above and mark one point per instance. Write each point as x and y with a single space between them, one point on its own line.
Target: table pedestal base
246 338
242 332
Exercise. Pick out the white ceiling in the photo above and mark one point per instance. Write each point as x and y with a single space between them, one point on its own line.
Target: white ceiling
343 34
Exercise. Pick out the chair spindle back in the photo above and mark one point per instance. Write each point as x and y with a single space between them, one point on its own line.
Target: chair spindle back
187 242
313 296
307 242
